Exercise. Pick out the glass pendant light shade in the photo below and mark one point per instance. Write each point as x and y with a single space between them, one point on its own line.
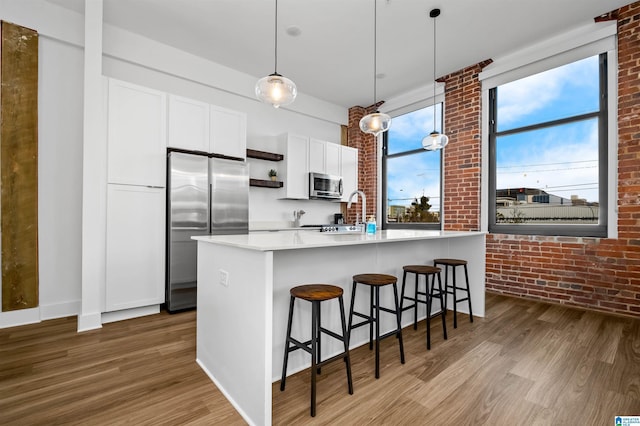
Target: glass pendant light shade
375 123
435 141
276 90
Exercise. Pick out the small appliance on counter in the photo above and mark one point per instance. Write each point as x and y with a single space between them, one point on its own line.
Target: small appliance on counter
338 219
204 196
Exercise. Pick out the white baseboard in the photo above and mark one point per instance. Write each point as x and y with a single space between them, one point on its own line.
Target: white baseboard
19 317
125 314
88 322
60 310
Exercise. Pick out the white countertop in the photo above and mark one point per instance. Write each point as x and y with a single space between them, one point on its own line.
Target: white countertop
290 240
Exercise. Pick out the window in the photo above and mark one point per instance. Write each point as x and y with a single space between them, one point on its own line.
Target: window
412 183
548 152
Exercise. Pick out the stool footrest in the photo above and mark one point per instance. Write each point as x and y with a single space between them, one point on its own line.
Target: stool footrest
360 324
333 358
390 311
332 334
299 345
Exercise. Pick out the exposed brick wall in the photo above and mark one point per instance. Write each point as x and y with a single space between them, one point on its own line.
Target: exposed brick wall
601 274
367 161
462 159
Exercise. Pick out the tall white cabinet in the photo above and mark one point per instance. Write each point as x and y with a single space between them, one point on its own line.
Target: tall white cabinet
137 127
295 172
136 134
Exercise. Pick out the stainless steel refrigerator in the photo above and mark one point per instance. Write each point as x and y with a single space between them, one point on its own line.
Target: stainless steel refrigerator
204 196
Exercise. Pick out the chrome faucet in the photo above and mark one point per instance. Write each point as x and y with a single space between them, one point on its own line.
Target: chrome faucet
364 204
297 214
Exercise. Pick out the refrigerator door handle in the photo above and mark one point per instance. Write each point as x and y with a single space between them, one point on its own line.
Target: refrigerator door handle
189 228
209 208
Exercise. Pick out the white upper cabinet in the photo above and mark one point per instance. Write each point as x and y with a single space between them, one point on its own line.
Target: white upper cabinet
137 130
324 157
228 134
188 124
332 154
317 160
348 171
295 173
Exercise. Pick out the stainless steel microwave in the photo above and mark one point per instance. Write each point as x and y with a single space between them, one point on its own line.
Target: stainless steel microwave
323 186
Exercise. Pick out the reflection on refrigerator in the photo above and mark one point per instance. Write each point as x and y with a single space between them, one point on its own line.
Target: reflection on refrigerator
204 196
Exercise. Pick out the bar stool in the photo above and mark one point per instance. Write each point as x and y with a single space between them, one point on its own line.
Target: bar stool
375 281
453 288
316 293
427 271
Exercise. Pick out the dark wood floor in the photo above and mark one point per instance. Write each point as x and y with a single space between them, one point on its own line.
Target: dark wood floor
526 363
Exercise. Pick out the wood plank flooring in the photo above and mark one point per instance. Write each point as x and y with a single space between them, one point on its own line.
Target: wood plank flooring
526 363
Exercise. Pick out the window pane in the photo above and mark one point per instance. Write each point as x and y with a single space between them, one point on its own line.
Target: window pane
413 188
548 175
562 92
407 130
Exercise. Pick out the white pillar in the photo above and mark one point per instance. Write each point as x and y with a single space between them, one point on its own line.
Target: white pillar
94 174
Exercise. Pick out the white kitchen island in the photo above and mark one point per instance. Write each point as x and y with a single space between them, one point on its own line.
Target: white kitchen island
243 298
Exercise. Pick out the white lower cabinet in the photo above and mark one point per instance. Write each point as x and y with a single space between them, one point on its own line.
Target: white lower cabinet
135 247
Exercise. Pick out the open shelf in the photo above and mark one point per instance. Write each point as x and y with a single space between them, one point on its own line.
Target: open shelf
265 183
262 155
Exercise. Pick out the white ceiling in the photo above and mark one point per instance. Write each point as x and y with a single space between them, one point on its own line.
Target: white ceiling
332 58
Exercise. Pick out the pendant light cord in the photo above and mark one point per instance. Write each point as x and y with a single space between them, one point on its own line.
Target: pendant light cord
375 49
275 67
434 73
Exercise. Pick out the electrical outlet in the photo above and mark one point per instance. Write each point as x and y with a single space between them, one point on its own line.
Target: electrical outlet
224 278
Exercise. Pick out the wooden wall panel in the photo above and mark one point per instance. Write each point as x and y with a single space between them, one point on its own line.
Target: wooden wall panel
19 166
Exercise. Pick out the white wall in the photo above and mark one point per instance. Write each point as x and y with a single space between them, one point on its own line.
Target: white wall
60 114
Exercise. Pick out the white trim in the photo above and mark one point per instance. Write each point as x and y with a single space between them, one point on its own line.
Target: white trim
413 100
569 47
484 163
126 314
612 178
19 317
572 46
88 322
59 310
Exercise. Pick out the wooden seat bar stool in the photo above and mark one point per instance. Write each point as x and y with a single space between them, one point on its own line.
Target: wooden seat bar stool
453 288
425 296
316 293
375 281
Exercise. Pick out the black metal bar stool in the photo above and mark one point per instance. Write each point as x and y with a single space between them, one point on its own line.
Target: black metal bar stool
375 281
453 287
427 295
316 293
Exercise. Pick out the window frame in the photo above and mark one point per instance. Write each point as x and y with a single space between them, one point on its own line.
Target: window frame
385 156
576 230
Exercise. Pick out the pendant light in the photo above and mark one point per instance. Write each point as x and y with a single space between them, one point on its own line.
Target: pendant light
377 122
435 140
276 89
